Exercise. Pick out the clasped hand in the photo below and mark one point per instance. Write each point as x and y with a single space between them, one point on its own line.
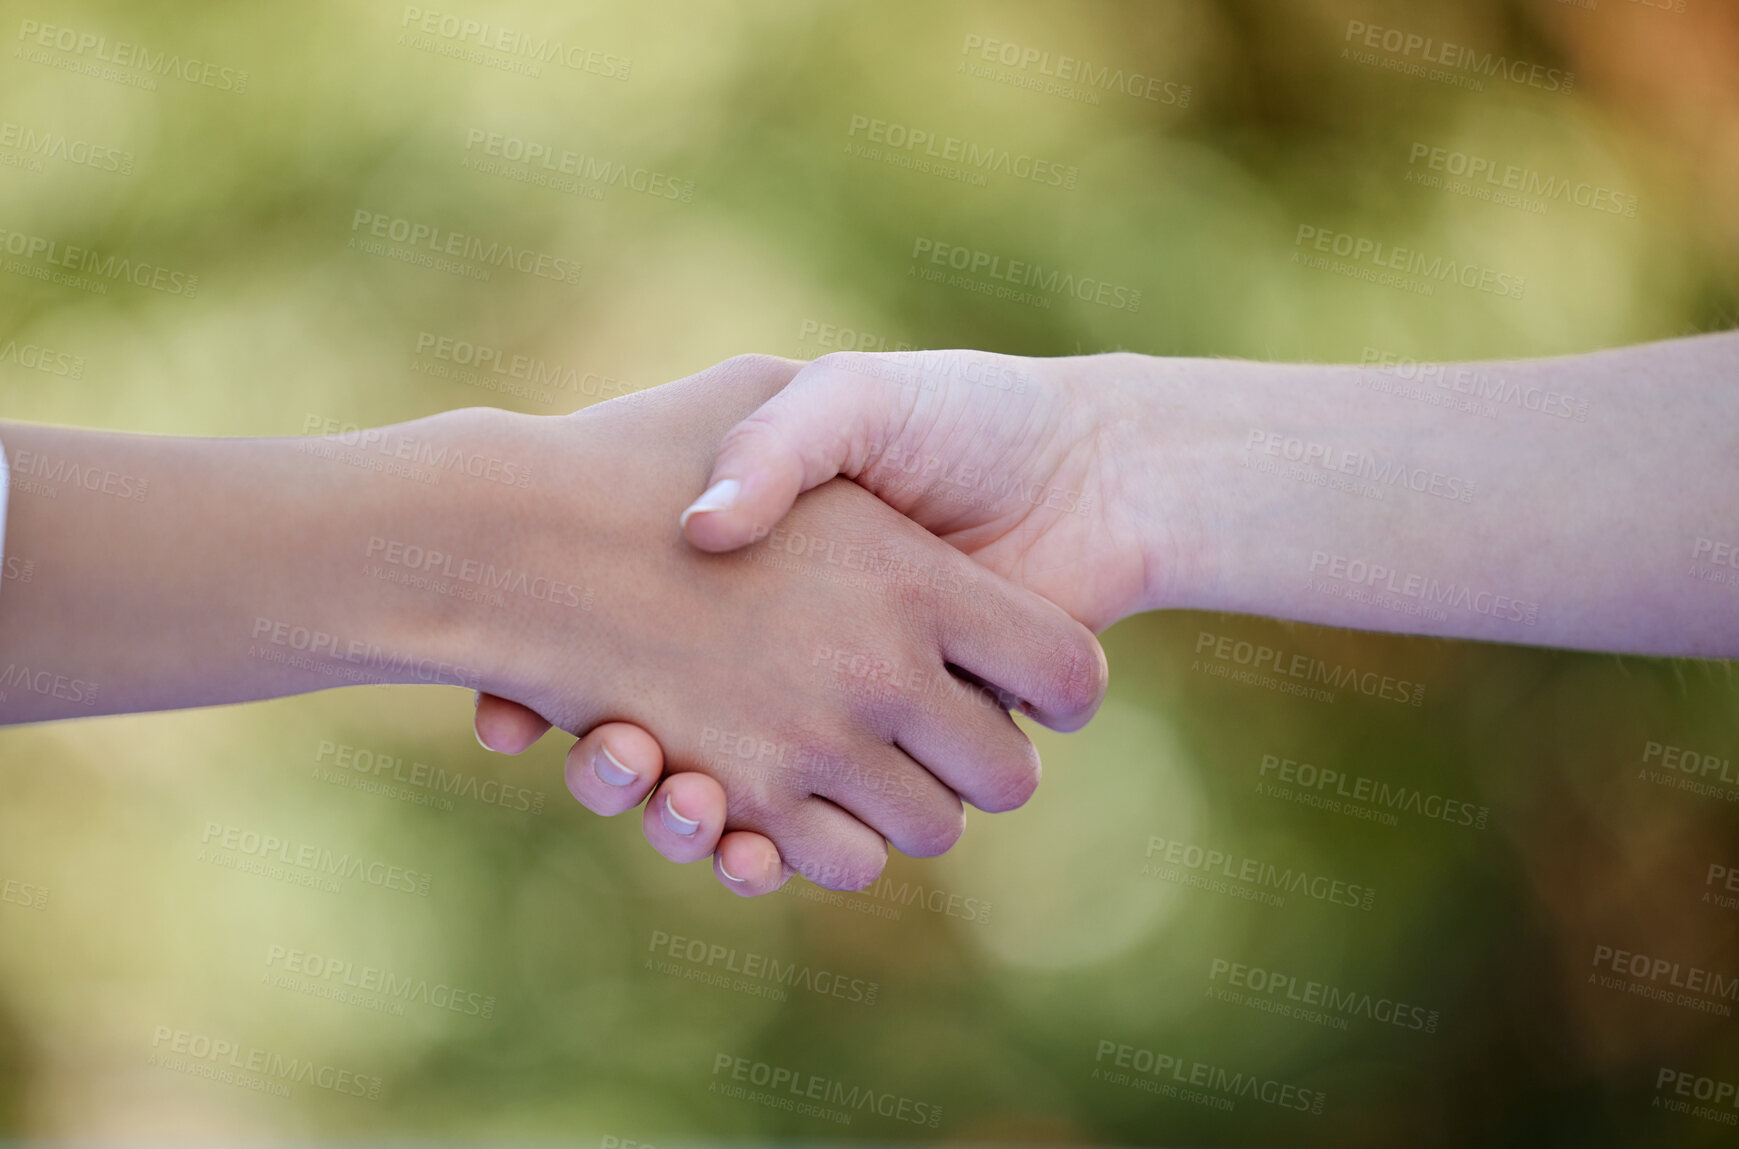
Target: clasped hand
846 679
855 666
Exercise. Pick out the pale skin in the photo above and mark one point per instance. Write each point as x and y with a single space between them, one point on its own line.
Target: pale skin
546 566
1588 502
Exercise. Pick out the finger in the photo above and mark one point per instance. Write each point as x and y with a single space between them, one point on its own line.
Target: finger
685 817
748 864
506 727
1027 647
895 797
962 734
613 768
827 845
822 424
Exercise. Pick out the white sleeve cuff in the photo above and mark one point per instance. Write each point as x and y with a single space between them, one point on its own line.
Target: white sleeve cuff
5 486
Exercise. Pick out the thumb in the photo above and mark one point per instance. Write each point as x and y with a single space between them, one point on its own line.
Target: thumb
824 421
506 727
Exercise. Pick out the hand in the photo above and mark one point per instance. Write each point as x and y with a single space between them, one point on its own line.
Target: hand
1023 464
1041 470
808 678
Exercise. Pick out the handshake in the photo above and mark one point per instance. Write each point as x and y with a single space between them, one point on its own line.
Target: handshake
797 670
790 606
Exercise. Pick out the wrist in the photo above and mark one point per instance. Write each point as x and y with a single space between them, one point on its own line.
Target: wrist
1241 523
418 567
1160 424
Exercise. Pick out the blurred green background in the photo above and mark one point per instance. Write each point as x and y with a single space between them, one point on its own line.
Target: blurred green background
724 195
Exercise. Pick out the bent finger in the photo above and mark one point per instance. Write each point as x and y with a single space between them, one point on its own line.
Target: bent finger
685 817
613 768
506 727
748 864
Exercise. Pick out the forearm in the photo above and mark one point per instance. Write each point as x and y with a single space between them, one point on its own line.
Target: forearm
1588 502
168 572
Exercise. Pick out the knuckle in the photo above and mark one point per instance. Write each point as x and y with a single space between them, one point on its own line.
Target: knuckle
751 427
745 808
848 872
939 835
1079 674
863 873
754 362
751 806
1014 783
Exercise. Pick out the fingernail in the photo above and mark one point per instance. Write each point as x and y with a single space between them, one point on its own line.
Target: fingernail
727 873
718 497
677 823
610 771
